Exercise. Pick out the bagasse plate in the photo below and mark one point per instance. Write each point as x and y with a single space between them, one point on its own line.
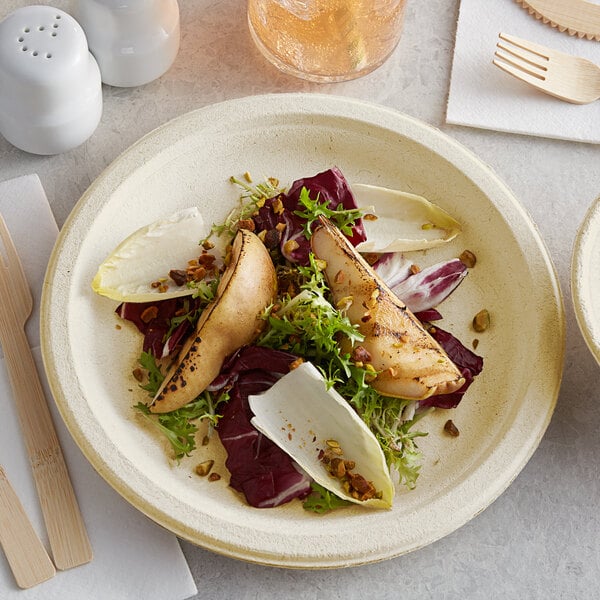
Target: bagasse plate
585 286
188 162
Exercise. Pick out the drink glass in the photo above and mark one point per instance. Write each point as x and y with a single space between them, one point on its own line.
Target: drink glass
326 40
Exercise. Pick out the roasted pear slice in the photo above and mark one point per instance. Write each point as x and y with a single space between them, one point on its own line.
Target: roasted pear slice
408 361
248 286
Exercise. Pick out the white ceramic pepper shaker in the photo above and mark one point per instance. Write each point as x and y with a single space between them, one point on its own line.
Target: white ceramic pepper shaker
134 41
50 87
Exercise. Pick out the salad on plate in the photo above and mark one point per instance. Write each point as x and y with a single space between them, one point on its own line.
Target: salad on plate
301 332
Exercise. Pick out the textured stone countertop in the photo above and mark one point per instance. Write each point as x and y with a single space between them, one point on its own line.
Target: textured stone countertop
540 538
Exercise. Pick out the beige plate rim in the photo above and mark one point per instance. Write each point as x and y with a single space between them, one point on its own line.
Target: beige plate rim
585 289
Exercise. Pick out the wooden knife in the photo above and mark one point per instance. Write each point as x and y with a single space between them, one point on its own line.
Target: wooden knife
24 551
575 17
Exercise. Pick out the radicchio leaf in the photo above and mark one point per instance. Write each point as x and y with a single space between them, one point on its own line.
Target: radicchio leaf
251 358
393 268
153 320
431 314
259 469
332 189
429 287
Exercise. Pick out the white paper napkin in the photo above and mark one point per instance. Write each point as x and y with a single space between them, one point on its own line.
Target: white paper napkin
481 95
133 556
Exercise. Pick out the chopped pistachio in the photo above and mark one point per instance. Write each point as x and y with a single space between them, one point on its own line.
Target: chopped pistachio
468 259
481 321
204 468
451 429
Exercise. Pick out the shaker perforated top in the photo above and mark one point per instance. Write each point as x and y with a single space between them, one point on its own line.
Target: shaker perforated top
50 88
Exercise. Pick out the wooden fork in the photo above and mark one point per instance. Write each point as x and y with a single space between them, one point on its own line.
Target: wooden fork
66 530
570 78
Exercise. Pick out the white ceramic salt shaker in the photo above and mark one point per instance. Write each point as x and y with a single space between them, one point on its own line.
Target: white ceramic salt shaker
134 41
50 87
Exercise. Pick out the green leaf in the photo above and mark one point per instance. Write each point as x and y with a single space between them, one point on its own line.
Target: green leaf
251 199
155 375
179 426
344 218
322 501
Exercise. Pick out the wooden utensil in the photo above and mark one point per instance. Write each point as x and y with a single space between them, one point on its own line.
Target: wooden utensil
570 78
575 17
66 530
24 550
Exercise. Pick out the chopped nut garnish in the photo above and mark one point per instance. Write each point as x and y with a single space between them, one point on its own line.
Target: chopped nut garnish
339 277
468 259
139 374
344 303
296 363
214 477
206 260
207 245
451 429
204 468
196 273
179 276
475 343
481 321
290 246
277 206
361 354
337 466
149 313
414 269
320 264
370 217
246 224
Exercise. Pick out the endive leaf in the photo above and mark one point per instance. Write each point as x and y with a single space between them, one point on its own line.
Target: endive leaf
148 255
404 221
301 415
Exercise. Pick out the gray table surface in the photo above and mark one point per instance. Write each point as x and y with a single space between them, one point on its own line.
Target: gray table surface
541 538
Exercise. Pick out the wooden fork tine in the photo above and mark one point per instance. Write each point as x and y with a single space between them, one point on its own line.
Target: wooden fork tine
521 58
521 64
18 281
526 45
520 74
